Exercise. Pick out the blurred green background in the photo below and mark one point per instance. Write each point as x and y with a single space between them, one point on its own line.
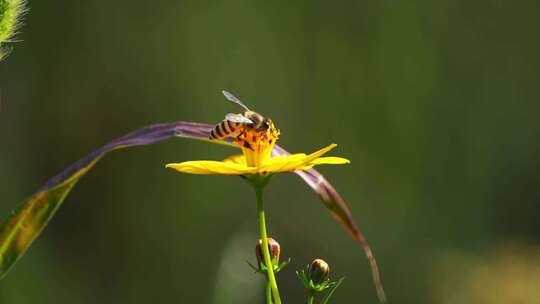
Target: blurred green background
435 103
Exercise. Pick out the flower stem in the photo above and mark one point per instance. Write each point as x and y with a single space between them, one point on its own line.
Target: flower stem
310 297
268 293
266 252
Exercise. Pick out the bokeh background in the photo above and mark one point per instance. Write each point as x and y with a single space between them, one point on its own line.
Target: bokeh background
435 102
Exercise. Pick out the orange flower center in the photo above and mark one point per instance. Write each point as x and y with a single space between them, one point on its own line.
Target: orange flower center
257 145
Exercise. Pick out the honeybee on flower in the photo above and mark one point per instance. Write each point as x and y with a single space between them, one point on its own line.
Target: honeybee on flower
234 124
256 136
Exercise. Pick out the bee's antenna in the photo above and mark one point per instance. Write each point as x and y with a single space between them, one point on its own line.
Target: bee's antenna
234 100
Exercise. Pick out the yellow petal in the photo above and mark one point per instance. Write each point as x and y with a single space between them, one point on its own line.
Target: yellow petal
282 164
236 159
297 156
332 160
295 161
325 161
211 167
320 153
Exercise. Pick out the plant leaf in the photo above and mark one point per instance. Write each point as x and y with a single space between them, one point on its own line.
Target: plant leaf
339 209
26 223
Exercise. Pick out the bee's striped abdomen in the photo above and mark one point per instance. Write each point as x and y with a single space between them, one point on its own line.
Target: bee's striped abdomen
224 129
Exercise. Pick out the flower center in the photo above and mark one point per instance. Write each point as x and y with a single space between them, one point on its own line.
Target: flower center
257 145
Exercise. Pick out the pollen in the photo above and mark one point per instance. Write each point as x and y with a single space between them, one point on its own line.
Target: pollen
257 144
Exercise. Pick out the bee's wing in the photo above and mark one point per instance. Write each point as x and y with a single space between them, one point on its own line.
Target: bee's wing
238 118
235 100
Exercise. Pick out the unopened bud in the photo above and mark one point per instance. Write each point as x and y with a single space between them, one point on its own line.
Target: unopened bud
318 271
273 248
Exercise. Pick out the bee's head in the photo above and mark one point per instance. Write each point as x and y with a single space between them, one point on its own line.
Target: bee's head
267 123
260 123
264 124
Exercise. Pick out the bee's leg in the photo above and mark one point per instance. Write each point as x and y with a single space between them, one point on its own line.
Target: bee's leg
248 146
241 141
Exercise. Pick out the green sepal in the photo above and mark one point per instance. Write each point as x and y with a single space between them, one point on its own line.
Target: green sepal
258 181
331 289
255 269
303 278
262 268
282 265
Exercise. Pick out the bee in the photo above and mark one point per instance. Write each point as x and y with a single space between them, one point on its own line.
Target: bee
234 124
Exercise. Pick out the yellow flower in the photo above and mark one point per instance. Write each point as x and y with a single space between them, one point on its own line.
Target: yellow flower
256 157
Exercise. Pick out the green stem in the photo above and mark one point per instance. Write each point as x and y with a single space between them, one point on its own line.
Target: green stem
266 252
268 293
310 297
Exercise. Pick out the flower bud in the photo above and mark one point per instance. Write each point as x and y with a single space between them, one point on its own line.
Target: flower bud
273 248
318 271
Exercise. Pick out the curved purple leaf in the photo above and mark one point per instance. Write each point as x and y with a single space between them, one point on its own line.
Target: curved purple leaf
26 223
339 209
